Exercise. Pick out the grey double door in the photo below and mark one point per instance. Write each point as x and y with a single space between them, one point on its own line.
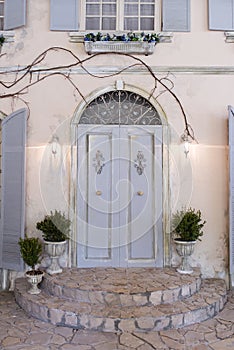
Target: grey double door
119 196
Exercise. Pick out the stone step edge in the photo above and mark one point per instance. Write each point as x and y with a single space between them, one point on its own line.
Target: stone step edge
47 309
113 298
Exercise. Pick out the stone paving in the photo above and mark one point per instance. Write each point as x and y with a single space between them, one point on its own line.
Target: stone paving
123 300
113 316
21 332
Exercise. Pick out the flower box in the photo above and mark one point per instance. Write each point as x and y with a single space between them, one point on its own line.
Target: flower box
131 47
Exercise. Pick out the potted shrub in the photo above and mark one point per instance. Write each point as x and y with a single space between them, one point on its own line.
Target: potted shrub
187 227
31 250
55 228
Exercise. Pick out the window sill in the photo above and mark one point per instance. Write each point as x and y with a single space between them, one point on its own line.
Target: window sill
78 37
229 37
9 35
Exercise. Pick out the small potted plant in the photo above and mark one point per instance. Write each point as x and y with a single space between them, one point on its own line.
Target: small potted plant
55 228
187 227
31 250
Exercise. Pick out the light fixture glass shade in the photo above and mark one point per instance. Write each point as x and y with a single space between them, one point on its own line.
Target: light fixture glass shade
54 145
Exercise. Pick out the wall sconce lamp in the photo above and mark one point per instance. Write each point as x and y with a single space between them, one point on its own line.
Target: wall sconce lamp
54 145
186 138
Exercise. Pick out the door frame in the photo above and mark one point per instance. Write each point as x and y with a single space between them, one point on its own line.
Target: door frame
165 168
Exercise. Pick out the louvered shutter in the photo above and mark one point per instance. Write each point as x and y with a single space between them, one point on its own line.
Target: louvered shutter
64 15
12 219
231 191
176 15
221 14
14 14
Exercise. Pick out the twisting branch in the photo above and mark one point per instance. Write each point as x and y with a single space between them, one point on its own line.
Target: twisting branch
23 79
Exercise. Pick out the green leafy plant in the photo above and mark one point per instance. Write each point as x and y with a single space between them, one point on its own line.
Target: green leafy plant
126 37
55 227
187 225
2 40
31 250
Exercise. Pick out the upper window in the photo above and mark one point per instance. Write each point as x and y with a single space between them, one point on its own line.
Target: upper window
126 15
120 15
1 14
221 14
12 14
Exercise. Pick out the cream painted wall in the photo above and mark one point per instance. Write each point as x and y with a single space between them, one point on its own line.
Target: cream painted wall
201 180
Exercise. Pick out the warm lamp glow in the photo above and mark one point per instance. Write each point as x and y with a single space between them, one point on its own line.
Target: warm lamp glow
54 145
186 141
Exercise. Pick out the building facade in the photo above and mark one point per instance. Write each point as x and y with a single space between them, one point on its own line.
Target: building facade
103 132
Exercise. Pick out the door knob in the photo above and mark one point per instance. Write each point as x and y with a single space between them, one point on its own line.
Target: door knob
140 193
98 193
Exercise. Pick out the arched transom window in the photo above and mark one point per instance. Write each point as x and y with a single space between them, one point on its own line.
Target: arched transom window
120 107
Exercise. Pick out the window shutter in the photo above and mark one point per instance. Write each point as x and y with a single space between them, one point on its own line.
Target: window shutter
176 15
64 15
14 14
221 14
12 219
231 192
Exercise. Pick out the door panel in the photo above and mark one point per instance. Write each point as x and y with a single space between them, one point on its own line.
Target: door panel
142 149
97 218
119 196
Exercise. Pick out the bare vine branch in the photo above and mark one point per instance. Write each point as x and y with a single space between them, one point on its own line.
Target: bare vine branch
24 77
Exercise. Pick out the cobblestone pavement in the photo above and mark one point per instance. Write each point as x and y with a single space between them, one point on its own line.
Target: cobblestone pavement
18 331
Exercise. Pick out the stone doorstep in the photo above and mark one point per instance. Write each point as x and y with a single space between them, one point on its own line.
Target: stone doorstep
169 287
199 307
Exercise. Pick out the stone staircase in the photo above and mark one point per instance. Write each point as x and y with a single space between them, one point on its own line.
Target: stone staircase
123 300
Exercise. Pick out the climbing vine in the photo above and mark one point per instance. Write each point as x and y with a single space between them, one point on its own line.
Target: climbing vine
15 82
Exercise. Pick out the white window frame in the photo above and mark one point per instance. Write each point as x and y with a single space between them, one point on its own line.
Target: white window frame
119 17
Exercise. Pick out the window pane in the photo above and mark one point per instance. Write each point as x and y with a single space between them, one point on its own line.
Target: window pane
92 23
109 23
109 9
92 10
1 9
147 10
1 15
147 24
130 10
137 14
139 1
131 24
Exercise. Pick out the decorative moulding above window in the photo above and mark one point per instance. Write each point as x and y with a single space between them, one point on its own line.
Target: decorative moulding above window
229 37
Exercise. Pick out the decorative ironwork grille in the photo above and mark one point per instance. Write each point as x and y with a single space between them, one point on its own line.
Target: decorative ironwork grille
120 108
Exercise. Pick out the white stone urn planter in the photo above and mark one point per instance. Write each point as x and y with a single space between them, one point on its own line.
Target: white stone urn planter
54 250
34 278
185 250
132 47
